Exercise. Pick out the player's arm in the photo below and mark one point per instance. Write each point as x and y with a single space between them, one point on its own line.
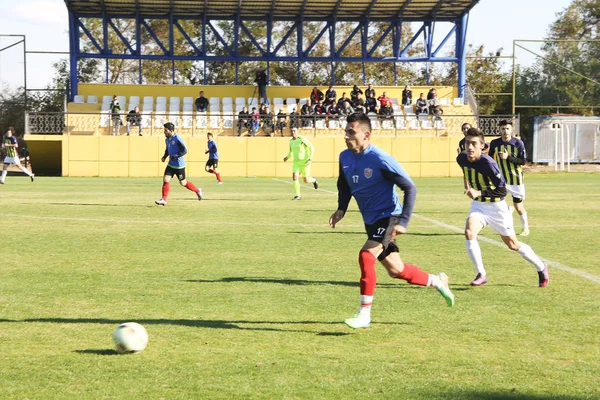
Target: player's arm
344 196
521 157
410 193
289 154
495 176
182 149
309 147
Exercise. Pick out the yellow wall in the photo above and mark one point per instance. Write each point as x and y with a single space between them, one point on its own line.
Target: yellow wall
139 156
241 91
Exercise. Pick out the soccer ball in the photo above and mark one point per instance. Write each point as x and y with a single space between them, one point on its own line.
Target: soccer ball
130 337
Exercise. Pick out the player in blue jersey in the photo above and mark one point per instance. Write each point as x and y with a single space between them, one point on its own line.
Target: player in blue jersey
370 175
213 158
487 187
10 146
509 154
175 151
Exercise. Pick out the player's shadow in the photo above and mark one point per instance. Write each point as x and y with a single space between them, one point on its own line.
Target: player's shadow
100 205
298 282
99 352
512 394
244 325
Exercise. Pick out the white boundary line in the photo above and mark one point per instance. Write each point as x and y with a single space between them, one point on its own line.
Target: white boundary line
554 264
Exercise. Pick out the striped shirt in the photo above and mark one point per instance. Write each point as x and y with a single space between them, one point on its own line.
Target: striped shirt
10 150
512 167
483 174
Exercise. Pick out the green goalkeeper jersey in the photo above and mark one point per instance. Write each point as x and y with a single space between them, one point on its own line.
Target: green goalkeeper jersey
301 149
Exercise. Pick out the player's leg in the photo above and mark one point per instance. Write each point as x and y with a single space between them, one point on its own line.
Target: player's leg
166 186
216 171
187 184
295 177
518 195
4 172
17 162
474 224
305 171
528 254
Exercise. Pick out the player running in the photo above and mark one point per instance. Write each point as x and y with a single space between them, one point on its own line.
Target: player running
370 175
509 154
302 150
487 187
10 145
175 151
213 158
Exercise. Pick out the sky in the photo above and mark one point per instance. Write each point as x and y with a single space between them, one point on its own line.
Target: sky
45 24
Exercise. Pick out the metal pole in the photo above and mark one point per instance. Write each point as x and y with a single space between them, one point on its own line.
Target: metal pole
514 77
25 71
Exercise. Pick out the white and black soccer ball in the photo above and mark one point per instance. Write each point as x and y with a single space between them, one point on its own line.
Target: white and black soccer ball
130 337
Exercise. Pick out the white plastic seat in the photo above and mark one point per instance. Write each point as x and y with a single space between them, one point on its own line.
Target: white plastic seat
387 124
227 108
146 107
188 108
187 121
106 99
394 100
277 101
374 120
146 119
303 101
201 120
290 101
92 99
104 119
320 123
444 101
408 110
253 102
148 100
161 100
240 100
227 100
400 123
174 100
188 100
161 107
413 124
122 100
334 123
134 100
238 108
458 101
105 107
215 121
174 107
426 124
213 108
79 99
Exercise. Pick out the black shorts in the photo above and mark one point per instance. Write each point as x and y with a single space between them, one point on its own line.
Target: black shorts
213 163
381 232
178 172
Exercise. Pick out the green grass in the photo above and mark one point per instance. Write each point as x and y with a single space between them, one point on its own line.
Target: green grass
243 295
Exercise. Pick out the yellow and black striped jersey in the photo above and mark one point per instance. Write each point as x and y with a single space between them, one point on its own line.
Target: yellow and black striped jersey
512 167
483 174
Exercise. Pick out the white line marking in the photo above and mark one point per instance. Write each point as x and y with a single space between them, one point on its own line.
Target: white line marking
554 264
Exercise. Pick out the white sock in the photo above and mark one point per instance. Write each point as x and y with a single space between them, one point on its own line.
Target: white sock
26 171
475 254
434 281
4 175
527 253
524 220
365 305
310 179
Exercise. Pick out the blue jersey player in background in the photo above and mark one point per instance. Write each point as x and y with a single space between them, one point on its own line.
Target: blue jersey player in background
213 157
487 188
370 176
175 151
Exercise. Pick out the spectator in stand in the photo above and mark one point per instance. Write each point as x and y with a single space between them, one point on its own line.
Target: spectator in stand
308 113
358 102
134 118
268 122
406 96
294 119
243 120
360 108
334 111
435 108
384 100
316 95
281 121
320 111
254 122
343 99
201 103
354 94
432 92
386 111
347 109
421 105
115 116
369 93
371 104
330 96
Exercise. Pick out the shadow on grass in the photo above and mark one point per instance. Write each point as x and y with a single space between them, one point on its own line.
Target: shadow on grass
100 205
100 352
334 232
300 282
509 395
199 323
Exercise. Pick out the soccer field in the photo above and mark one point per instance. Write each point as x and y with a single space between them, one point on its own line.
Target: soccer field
243 295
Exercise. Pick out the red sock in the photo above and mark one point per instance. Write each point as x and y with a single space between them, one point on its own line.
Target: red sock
413 274
368 277
165 190
189 185
218 176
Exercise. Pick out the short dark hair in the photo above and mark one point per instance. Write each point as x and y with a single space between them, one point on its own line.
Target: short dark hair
169 126
209 134
462 127
476 133
359 117
506 122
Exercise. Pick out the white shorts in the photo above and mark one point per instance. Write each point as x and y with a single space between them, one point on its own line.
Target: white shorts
497 215
516 191
12 160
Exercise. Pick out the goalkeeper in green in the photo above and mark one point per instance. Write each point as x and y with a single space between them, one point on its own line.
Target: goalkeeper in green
302 150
